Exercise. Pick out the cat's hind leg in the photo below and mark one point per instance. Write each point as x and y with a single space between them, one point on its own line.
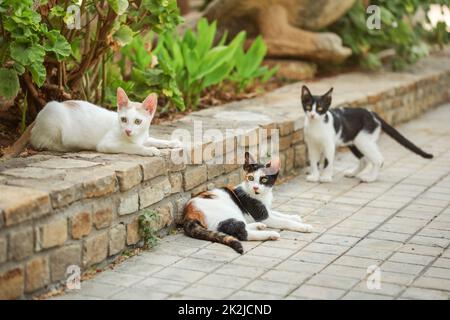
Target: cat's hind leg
362 164
258 235
159 143
256 226
368 146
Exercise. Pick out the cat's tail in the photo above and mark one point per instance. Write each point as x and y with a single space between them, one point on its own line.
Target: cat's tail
397 136
20 145
195 229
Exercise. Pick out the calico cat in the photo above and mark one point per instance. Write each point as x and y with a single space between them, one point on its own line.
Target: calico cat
230 214
357 128
79 125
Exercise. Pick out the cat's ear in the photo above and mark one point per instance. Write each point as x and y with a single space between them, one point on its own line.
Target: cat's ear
122 98
150 103
327 98
273 166
249 160
306 95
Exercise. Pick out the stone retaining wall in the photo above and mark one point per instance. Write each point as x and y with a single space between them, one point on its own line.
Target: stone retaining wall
82 208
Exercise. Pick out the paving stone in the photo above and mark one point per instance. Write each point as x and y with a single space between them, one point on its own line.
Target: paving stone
271 252
356 295
388 289
241 270
138 294
162 285
197 264
285 276
315 292
224 281
425 294
117 279
99 290
250 295
433 283
438 273
270 287
419 249
172 273
411 258
314 257
263 262
344 271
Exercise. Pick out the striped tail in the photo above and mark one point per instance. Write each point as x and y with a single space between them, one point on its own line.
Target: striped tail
193 228
20 145
397 136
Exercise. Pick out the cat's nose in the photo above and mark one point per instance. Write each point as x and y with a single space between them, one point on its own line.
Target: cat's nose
256 189
128 132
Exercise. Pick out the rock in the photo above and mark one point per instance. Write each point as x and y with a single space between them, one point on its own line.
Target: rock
62 258
81 225
21 204
11 284
117 238
37 274
95 249
133 232
293 69
52 234
21 244
286 25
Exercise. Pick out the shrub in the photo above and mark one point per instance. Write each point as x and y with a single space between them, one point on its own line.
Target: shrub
399 31
47 59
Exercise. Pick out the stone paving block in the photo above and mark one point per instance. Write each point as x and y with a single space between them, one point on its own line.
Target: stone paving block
197 264
139 294
324 280
325 248
206 292
315 292
271 287
442 263
430 241
117 279
433 283
224 281
338 240
425 294
411 258
99 290
162 285
241 270
250 295
172 273
356 295
158 259
285 276
264 262
216 255
271 252
356 262
173 249
438 273
419 249
314 257
298 266
138 268
345 271
379 244
389 236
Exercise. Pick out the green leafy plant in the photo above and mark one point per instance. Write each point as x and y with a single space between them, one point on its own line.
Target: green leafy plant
398 31
248 65
146 229
195 61
140 73
49 51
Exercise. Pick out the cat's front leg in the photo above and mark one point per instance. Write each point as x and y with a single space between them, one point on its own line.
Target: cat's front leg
286 224
286 216
327 174
112 147
314 158
159 143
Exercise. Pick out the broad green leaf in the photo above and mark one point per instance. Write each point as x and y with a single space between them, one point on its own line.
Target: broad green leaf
57 44
119 6
38 73
124 35
9 85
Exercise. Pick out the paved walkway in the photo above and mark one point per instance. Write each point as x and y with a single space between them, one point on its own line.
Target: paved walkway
400 223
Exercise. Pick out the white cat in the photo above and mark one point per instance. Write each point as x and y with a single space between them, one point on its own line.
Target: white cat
228 215
79 125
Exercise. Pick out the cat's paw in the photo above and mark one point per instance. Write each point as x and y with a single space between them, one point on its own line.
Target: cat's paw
152 152
274 235
260 226
349 173
307 228
175 144
297 218
366 178
312 178
326 178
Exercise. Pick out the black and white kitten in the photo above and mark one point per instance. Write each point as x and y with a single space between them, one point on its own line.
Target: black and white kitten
243 212
357 128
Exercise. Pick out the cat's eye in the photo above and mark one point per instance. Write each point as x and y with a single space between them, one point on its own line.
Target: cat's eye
250 178
264 180
137 121
124 119
320 109
308 108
